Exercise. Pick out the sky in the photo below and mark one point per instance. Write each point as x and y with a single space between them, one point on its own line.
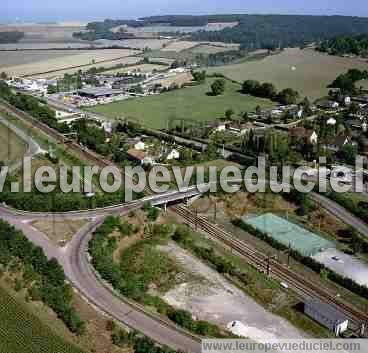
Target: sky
67 10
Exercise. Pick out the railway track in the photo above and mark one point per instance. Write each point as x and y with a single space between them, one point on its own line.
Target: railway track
306 288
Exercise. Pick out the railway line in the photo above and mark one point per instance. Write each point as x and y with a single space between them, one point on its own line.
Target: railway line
306 288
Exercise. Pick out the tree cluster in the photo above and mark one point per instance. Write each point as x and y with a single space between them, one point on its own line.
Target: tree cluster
48 276
11 37
346 83
356 45
268 90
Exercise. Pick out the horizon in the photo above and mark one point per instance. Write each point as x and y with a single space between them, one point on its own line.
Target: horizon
35 11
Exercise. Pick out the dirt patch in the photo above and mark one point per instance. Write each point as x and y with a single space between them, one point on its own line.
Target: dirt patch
97 338
216 300
59 232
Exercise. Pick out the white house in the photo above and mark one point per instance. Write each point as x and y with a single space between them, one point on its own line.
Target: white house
219 126
107 126
335 105
313 138
331 121
347 100
300 113
174 154
140 146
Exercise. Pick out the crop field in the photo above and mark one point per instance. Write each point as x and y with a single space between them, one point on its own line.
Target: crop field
45 33
141 68
36 62
191 103
20 331
137 43
179 79
306 70
12 59
12 147
153 30
363 84
49 46
211 49
178 46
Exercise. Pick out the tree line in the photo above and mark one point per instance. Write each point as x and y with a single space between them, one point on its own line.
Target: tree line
346 83
282 31
268 90
11 37
45 278
139 267
356 45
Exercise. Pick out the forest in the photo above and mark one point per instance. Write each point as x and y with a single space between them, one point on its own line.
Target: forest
345 45
252 31
274 31
10 37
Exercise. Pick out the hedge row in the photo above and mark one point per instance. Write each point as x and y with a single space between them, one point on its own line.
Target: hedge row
49 286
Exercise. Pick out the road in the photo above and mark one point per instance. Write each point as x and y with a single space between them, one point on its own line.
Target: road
73 258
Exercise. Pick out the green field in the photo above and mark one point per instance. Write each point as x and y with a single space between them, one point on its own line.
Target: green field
12 147
191 104
20 331
307 71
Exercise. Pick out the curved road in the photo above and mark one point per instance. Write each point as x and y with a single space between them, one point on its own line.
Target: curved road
74 260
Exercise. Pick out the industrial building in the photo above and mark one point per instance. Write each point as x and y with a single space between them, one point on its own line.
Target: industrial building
99 92
327 316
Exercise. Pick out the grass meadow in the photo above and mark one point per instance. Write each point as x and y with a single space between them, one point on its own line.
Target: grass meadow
191 103
307 71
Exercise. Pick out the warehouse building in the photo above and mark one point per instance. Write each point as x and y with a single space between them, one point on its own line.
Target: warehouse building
99 92
327 316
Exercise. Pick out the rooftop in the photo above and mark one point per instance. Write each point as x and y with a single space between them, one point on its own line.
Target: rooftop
328 310
99 91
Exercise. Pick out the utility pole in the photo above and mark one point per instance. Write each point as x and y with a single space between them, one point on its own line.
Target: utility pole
289 253
196 219
268 265
362 329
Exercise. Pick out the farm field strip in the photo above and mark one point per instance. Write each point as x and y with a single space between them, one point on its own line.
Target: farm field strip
307 71
32 336
63 60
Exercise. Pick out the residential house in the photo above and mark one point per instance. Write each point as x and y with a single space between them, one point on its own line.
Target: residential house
347 100
173 154
307 136
331 121
141 157
336 143
140 146
239 127
218 126
326 104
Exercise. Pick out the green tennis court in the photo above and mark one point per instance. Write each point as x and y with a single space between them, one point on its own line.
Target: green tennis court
285 232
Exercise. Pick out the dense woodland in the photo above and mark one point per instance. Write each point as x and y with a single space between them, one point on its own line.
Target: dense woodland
252 31
273 31
344 45
11 37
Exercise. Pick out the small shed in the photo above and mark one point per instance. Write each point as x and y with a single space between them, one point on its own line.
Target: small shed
327 316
